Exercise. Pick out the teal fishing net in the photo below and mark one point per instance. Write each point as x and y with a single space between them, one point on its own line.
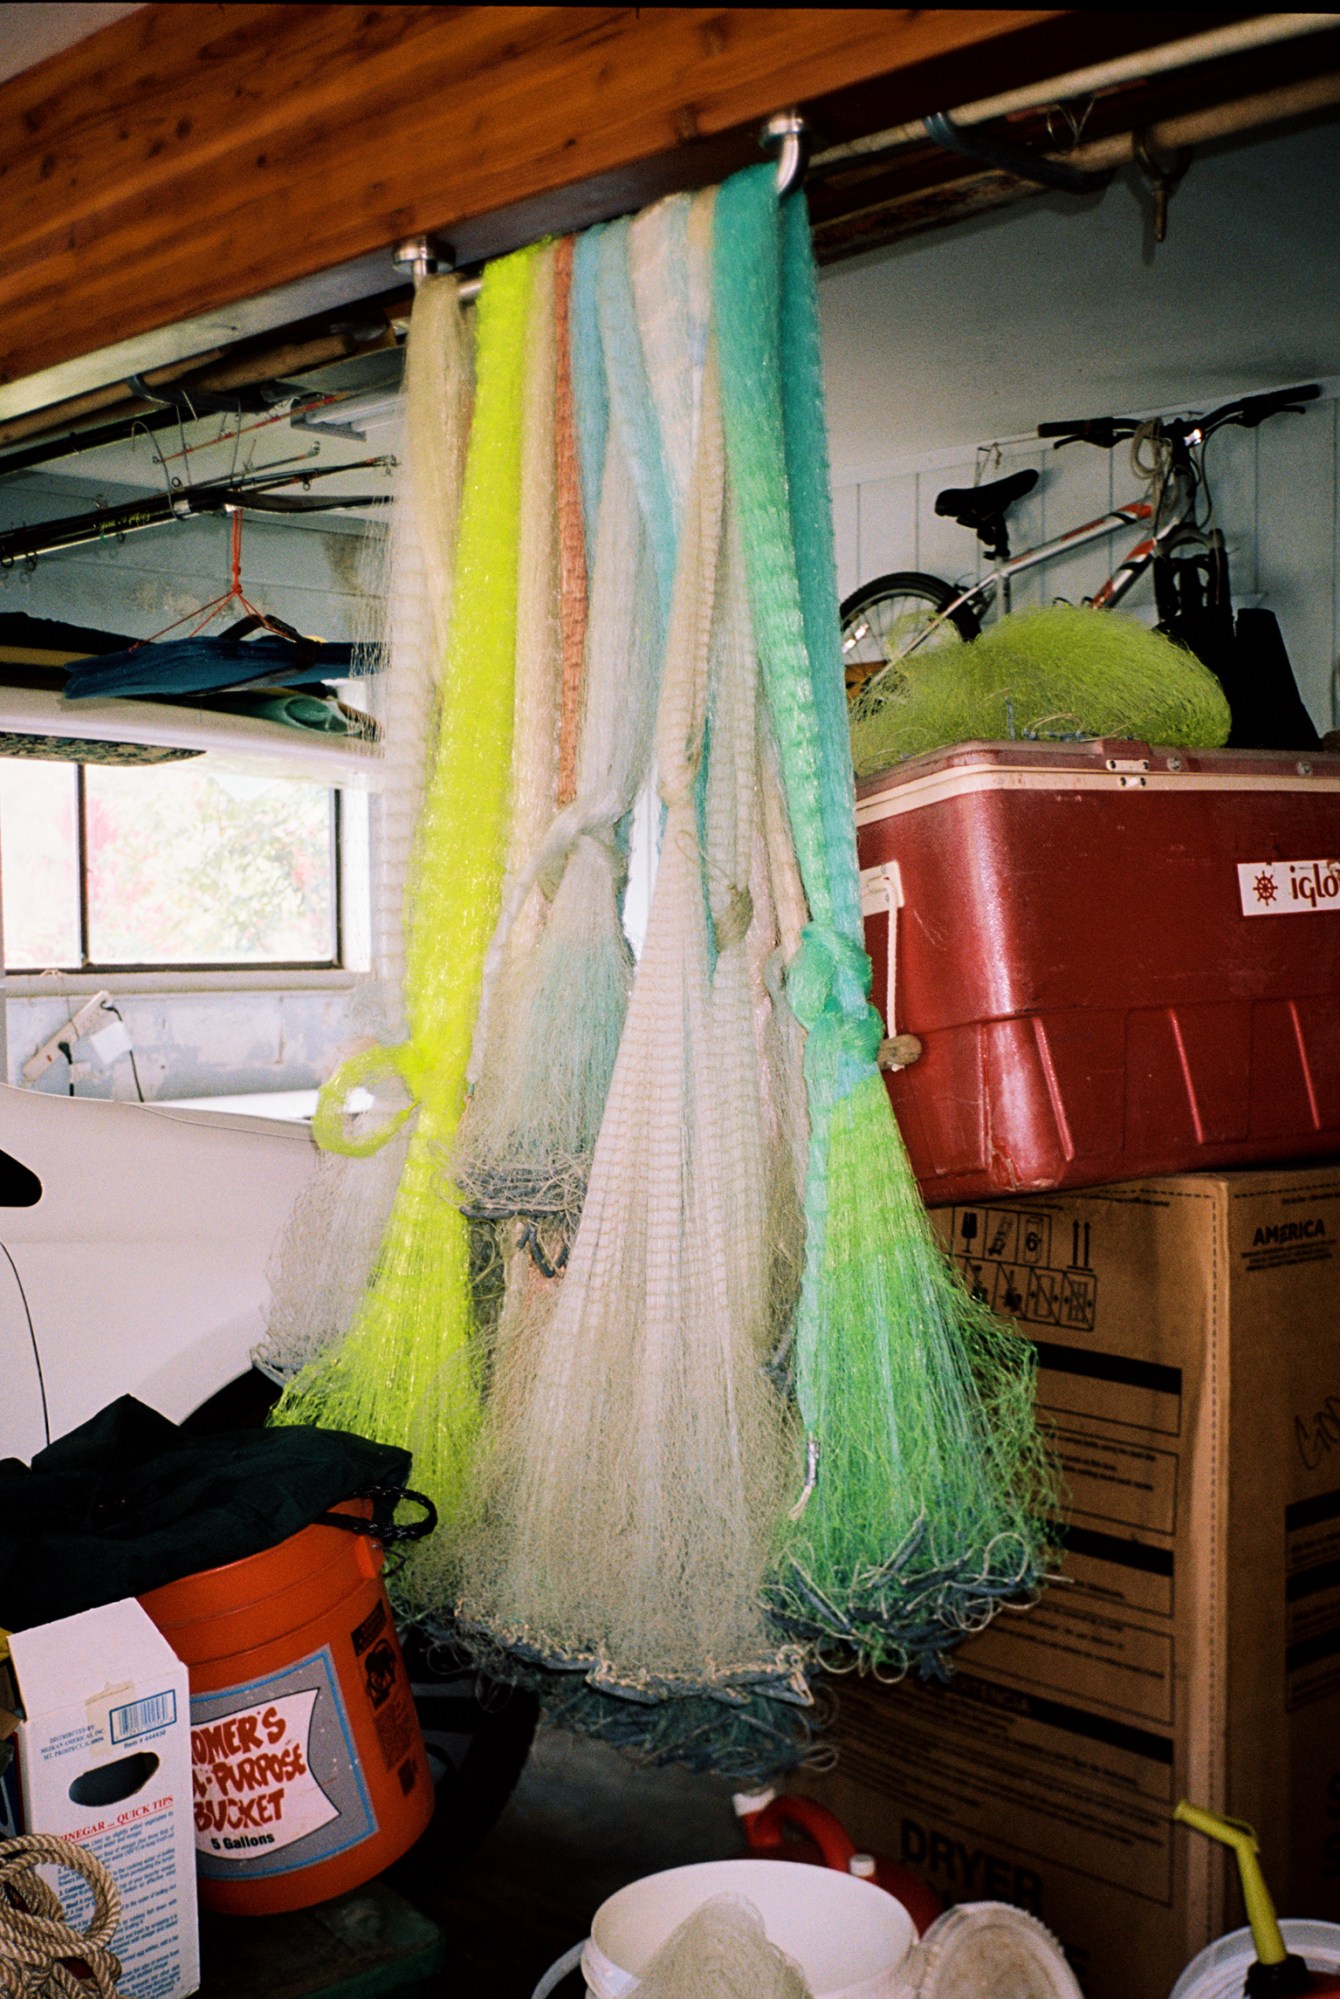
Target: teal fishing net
927 1487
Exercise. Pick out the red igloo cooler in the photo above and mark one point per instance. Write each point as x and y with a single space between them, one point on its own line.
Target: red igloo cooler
1118 960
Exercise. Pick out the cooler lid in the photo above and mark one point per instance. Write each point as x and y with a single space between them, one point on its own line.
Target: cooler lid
1103 764
988 1950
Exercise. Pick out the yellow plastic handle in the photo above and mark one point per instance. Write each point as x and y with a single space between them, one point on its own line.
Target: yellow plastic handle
1270 1946
370 1065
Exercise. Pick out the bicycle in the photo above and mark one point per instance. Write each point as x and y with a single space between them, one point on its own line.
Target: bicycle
891 617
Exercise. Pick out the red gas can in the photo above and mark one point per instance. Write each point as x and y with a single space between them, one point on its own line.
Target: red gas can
1119 960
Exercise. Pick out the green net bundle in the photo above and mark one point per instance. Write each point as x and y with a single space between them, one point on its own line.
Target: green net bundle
927 1487
1056 675
403 1372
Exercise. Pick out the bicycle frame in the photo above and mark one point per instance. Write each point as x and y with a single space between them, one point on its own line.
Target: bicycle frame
1122 579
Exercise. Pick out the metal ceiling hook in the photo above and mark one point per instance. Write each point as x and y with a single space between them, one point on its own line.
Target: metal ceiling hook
423 257
1161 180
790 134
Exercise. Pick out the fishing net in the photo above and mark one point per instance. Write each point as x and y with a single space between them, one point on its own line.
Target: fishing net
637 1452
402 1374
1057 675
330 1244
925 1485
556 993
722 1952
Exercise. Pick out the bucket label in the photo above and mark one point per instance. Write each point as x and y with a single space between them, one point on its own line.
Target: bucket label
275 1774
1288 888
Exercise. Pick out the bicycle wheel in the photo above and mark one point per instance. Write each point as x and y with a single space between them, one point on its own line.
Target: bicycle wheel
884 619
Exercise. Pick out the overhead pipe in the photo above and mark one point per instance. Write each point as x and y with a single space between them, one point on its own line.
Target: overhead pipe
1217 121
1239 38
213 372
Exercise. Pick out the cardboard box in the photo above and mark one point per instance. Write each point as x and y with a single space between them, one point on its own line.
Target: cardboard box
104 1759
1188 1334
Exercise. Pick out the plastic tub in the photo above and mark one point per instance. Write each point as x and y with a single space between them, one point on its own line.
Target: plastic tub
850 1939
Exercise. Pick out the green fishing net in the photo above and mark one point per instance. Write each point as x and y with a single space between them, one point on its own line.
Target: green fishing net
749 1308
1056 675
927 1488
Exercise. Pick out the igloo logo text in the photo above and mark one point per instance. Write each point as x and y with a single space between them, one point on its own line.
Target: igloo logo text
1288 888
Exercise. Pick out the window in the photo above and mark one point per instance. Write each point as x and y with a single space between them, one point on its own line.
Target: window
141 867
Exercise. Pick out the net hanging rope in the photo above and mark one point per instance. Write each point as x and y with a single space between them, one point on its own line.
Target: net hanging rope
637 1454
331 1242
922 1505
403 1373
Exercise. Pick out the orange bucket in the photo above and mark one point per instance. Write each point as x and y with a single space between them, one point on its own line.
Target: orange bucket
309 1768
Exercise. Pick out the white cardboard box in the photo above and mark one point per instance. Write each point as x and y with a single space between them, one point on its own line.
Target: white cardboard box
104 1759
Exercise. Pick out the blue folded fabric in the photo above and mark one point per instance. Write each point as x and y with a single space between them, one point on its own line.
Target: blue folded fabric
177 667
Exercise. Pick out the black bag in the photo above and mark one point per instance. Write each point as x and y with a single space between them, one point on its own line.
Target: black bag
1248 658
129 1501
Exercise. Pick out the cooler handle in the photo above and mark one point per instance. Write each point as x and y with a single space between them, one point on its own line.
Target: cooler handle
881 891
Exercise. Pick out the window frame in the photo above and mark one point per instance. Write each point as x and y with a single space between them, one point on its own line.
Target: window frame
23 981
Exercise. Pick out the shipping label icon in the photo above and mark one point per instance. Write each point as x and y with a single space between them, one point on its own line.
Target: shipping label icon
1288 888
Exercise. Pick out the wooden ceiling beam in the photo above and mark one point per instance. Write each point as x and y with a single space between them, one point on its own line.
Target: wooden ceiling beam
189 156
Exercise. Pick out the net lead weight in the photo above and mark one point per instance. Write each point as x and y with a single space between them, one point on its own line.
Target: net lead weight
899 1051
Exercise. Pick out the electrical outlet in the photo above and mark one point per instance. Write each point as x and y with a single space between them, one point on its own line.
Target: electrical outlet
69 1032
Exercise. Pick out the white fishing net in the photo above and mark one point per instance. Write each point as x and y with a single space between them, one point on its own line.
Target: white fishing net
637 1454
722 1952
321 1267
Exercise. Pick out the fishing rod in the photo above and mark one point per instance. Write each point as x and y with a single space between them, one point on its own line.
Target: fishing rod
256 493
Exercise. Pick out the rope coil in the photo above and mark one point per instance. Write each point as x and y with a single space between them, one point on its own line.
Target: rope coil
39 1948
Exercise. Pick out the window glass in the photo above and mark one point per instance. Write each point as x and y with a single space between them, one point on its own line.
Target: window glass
39 856
190 867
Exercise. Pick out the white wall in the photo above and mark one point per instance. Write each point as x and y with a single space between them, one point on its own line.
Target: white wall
40 28
1054 309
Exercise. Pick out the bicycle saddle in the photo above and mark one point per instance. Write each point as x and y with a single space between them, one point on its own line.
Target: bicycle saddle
977 507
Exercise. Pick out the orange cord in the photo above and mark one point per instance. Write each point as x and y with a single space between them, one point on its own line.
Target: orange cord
216 606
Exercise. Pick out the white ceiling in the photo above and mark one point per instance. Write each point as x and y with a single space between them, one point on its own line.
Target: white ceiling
1062 307
40 28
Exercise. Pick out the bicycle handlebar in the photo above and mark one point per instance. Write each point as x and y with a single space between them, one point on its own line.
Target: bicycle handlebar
1108 431
1104 431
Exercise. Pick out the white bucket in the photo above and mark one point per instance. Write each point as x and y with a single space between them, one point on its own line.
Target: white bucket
1221 1969
848 1937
